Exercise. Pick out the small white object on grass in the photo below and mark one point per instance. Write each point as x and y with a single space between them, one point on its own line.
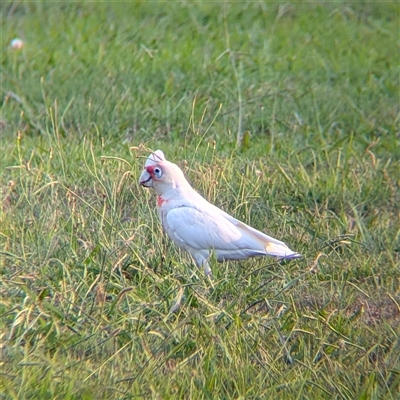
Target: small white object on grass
17 44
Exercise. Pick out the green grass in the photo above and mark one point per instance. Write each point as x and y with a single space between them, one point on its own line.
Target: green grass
96 303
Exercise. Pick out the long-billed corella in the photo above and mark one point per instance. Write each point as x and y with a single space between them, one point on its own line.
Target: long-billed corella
199 227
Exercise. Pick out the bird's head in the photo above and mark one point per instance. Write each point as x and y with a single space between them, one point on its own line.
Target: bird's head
160 174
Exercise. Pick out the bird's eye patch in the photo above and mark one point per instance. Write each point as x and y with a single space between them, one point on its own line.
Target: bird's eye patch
156 171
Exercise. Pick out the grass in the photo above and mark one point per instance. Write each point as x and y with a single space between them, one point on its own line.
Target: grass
96 303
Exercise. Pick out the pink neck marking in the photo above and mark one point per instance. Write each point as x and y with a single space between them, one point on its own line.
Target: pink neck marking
161 201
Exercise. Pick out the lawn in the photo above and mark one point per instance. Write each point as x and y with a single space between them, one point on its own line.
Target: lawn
285 115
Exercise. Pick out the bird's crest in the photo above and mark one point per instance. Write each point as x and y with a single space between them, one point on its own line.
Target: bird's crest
154 158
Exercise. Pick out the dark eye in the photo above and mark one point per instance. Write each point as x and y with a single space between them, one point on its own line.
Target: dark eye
158 172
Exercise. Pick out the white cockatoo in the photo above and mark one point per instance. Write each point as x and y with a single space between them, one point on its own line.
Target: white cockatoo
199 227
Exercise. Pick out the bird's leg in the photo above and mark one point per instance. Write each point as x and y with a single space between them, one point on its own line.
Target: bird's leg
207 269
202 262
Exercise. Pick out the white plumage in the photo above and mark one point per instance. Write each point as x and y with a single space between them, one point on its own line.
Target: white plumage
198 226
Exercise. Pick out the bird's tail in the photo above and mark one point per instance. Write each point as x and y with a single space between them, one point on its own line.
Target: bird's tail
271 246
280 250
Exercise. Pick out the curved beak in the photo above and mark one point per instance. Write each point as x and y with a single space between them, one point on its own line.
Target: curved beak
145 179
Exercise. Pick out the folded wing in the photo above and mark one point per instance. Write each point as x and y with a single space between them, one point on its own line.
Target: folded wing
196 230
